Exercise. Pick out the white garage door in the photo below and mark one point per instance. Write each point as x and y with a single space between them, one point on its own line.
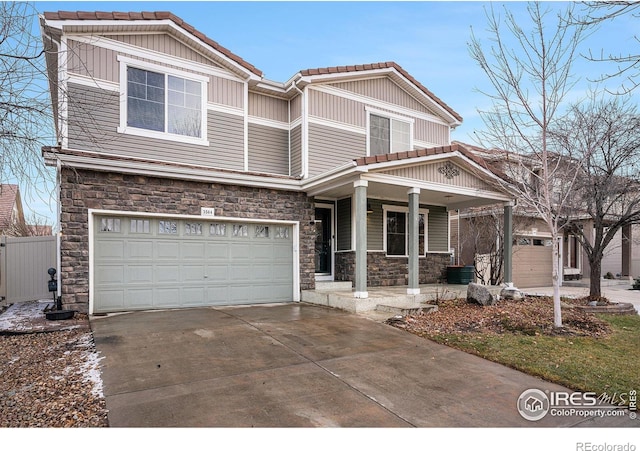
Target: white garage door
145 263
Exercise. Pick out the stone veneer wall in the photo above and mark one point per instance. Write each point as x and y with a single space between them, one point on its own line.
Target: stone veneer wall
83 189
383 271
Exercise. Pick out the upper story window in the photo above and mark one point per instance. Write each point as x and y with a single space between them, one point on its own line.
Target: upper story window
162 102
388 134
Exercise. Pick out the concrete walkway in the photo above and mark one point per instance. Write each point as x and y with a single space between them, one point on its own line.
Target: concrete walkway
299 365
615 293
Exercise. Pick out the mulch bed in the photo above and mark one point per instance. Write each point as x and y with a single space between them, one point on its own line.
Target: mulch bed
531 316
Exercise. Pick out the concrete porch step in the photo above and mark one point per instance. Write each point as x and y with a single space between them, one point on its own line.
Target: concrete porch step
330 285
347 301
407 310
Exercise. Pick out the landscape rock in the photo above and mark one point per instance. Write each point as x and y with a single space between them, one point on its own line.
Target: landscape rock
511 293
479 294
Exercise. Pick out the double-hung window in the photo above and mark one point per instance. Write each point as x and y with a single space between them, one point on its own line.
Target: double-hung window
396 231
162 102
388 134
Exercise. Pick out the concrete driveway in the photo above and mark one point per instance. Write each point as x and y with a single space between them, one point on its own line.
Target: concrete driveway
298 365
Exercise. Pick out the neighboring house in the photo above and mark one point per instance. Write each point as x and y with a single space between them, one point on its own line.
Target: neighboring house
188 179
532 244
12 221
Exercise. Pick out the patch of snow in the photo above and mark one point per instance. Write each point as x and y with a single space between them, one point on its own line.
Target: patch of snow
19 316
91 364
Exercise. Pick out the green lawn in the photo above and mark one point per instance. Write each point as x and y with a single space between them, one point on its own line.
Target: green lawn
603 365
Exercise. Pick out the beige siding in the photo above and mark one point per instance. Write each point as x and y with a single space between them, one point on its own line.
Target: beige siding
431 132
344 224
334 108
385 90
330 147
532 266
268 107
296 151
295 106
375 239
164 44
431 172
268 149
94 119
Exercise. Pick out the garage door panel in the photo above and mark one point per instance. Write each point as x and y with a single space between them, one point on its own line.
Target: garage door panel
141 268
139 274
110 249
167 250
139 250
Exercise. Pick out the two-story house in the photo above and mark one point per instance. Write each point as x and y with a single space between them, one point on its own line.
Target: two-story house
186 178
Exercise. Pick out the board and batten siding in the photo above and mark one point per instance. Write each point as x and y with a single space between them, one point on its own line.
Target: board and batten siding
295 137
431 132
295 108
268 107
331 147
338 109
102 64
385 90
343 214
94 117
164 43
268 149
431 172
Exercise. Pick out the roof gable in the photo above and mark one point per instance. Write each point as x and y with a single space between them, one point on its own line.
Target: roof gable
9 196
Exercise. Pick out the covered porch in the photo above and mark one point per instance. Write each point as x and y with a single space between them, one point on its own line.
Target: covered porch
384 220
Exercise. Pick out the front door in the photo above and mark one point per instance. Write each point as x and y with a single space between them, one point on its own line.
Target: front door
323 241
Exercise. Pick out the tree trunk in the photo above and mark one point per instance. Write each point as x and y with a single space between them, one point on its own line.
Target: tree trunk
557 312
595 289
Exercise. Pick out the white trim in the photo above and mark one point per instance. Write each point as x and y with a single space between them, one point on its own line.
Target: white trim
268 123
419 144
117 46
413 191
126 62
375 103
338 125
361 294
83 80
236 111
305 132
413 291
360 182
402 209
93 212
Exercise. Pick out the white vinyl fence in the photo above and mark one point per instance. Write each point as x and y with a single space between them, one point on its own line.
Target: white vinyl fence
24 262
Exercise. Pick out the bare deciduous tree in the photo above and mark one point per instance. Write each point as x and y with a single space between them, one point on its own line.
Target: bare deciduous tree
604 136
25 109
530 72
627 64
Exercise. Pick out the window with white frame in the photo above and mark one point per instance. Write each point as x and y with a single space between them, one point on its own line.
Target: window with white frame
388 134
396 231
162 102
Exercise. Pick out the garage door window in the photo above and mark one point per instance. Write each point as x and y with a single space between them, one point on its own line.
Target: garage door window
262 231
240 230
168 227
139 226
218 230
192 228
282 232
110 225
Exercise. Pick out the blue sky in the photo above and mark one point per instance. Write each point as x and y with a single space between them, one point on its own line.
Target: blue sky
428 39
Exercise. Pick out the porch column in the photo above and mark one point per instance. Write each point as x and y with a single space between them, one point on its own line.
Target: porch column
361 238
508 243
626 252
414 221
